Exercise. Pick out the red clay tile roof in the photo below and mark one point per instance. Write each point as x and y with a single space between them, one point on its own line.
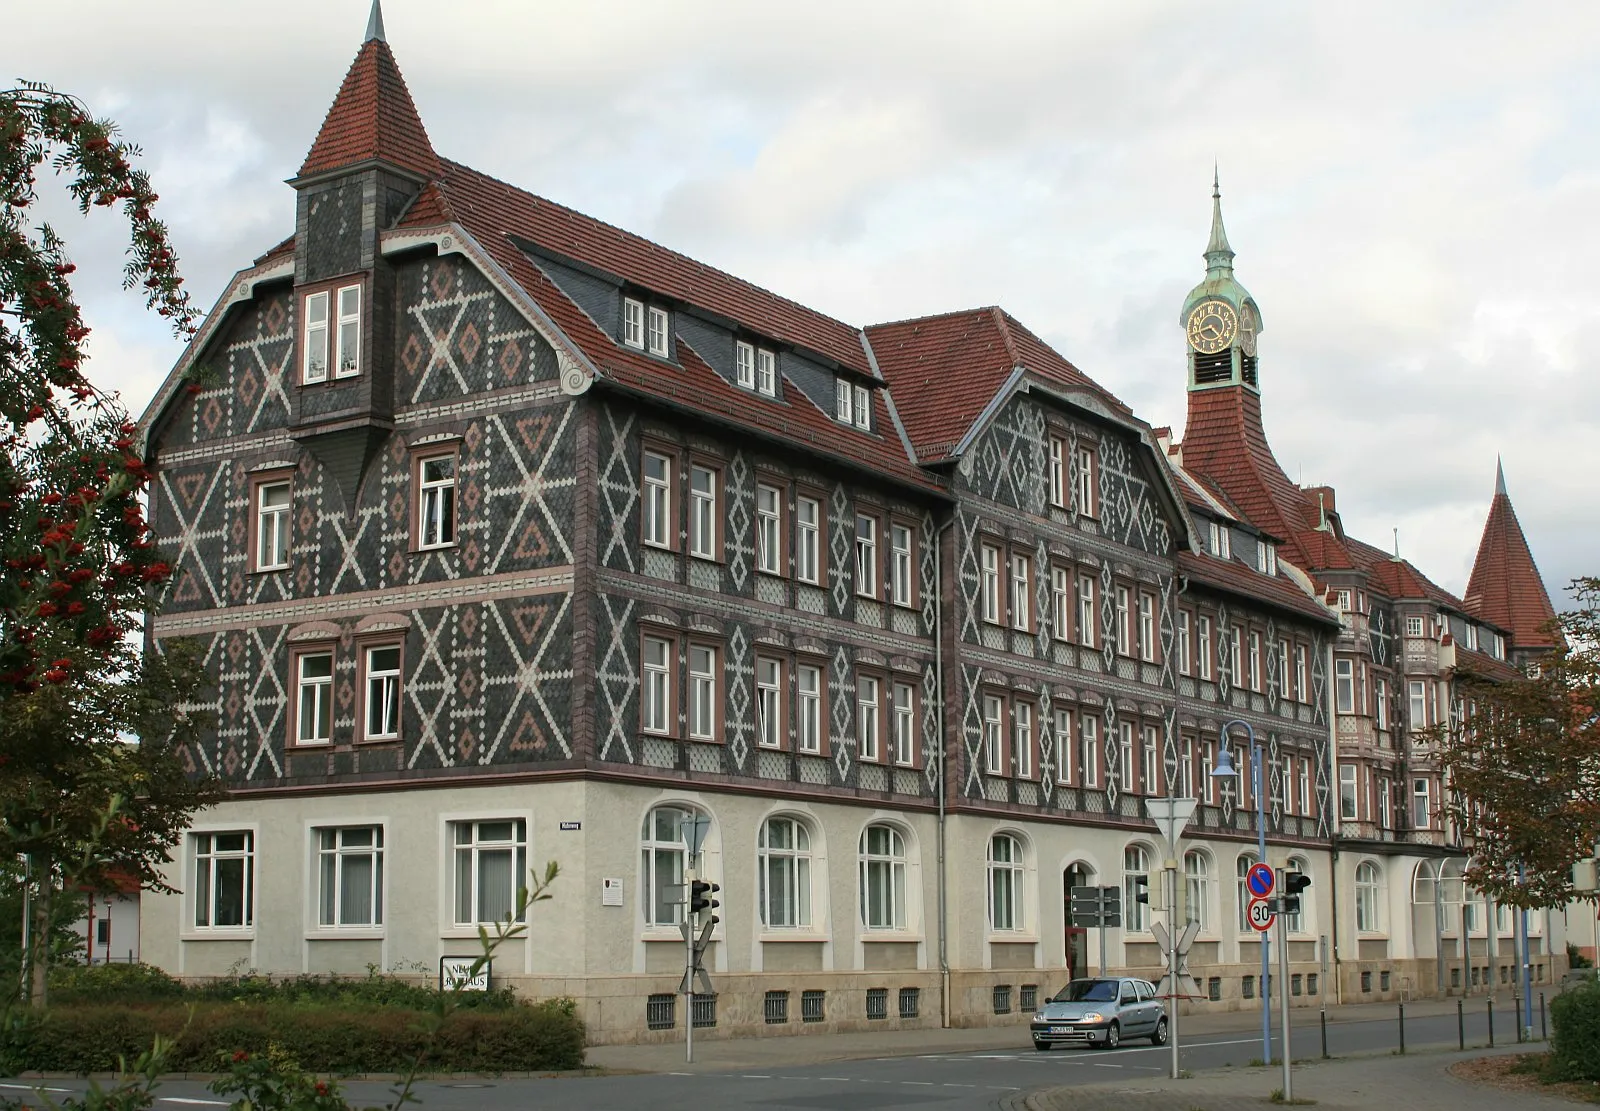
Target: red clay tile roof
282 250
1481 663
945 370
373 118
1238 579
1398 578
1505 587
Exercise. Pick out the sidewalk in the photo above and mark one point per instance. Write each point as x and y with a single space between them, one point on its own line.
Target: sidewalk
1417 1082
715 1054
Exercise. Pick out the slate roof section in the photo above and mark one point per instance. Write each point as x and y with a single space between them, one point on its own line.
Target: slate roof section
946 369
1505 586
373 118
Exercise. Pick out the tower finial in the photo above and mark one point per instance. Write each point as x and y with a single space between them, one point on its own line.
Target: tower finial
1499 478
375 23
1219 256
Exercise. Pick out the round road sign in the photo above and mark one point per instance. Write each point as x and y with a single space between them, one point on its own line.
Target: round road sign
1259 880
1261 916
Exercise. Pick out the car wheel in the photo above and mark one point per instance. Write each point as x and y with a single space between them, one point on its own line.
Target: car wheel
1113 1036
1042 1047
1160 1036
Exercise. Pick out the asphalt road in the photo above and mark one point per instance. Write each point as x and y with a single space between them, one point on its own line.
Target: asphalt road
952 1082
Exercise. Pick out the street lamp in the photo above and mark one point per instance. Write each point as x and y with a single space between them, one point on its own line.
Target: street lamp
1225 769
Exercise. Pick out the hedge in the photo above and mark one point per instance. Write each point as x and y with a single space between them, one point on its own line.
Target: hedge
142 983
1575 1042
89 1038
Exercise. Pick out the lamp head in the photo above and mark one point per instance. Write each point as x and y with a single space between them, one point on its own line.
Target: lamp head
1224 768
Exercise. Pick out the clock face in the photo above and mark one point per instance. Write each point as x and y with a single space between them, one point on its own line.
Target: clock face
1248 327
1212 326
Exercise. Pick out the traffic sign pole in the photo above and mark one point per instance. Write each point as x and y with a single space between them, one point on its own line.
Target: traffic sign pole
1283 1006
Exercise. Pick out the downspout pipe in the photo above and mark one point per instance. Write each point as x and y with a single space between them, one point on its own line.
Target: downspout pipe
944 749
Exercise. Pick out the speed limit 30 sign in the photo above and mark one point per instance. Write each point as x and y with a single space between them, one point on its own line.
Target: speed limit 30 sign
1260 914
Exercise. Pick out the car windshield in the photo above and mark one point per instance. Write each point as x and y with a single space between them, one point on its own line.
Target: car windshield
1088 991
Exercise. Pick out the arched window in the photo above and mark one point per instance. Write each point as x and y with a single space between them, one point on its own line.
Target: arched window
1242 869
784 848
1196 887
1135 866
663 856
1367 883
1005 882
883 878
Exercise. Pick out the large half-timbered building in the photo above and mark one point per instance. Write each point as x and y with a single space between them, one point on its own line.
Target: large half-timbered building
511 536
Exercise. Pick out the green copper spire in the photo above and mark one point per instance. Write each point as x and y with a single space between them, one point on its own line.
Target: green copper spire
1219 256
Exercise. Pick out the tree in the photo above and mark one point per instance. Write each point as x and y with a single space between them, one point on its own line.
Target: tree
78 565
1522 765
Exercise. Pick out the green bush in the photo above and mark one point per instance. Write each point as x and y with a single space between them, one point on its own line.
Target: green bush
88 1038
1575 1041
141 983
111 983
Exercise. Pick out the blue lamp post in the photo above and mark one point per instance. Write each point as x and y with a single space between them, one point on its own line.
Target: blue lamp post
1225 769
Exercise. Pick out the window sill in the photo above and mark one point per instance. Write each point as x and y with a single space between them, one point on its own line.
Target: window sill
224 933
346 933
366 741
427 549
870 935
319 746
274 570
457 932
655 935
780 937
1018 937
711 559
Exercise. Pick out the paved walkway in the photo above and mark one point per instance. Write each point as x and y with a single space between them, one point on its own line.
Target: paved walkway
1417 1082
715 1054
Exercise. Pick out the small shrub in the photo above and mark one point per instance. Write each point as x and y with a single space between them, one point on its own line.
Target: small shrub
142 983
1575 1039
111 983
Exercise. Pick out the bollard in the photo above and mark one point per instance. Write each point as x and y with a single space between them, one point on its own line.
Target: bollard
1461 1025
1324 1034
1490 1004
1544 1027
1516 1004
1402 1029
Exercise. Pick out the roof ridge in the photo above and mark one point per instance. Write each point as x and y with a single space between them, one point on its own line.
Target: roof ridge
930 317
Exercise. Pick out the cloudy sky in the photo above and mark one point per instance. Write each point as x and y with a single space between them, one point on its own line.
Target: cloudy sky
1412 190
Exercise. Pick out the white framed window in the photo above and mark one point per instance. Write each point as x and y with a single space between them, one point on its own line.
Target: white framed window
348 359
1236 655
633 323
313 680
1418 705
491 866
863 408
662 857
1151 764
1021 604
866 556
1086 483
1344 685
1124 623
1421 810
769 529
1367 903
702 692
1147 627
867 719
1125 778
224 880
1060 603
436 501
1005 883
1208 761
807 521
657 338
1203 625
314 355
900 564
1283 667
1185 646
784 874
994 734
1343 599
1307 803
1086 621
808 708
766 373
883 878
1022 738
382 702
656 505
1385 812
905 725
1302 674
989 583
655 694
1269 558
1135 866
1196 887
843 401
1255 661
350 876
1089 750
272 526
1347 792
1499 647
1065 745
1058 472
769 702
744 364
1221 540
1414 625
1380 703
702 512
1286 784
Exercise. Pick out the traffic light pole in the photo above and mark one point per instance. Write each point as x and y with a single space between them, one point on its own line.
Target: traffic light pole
1172 961
1283 984
690 874
1102 930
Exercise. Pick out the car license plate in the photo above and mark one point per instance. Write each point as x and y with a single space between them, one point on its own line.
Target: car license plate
1060 1029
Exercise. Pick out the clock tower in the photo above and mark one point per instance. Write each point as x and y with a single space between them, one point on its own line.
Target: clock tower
1220 318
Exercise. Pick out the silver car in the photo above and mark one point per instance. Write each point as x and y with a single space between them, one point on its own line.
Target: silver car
1101 1012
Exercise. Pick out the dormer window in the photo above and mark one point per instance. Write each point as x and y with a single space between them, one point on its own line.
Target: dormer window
755 368
1472 637
1269 558
1221 542
633 323
645 327
331 315
657 338
1343 597
853 404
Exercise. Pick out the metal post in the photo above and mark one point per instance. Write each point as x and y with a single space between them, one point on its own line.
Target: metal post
1527 965
1266 940
1172 962
1544 1027
690 874
1284 1050
1490 1004
1101 893
1402 1029
1461 1025
1324 1018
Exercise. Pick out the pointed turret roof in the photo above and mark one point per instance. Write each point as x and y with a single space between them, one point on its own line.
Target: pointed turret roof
1505 587
373 117
1219 256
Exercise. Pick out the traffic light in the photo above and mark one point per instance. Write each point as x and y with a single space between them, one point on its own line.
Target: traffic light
1293 884
700 896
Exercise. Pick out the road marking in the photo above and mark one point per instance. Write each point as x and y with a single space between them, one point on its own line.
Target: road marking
33 1088
680 1074
1105 1065
918 1083
958 1085
196 1102
756 1076
846 1079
